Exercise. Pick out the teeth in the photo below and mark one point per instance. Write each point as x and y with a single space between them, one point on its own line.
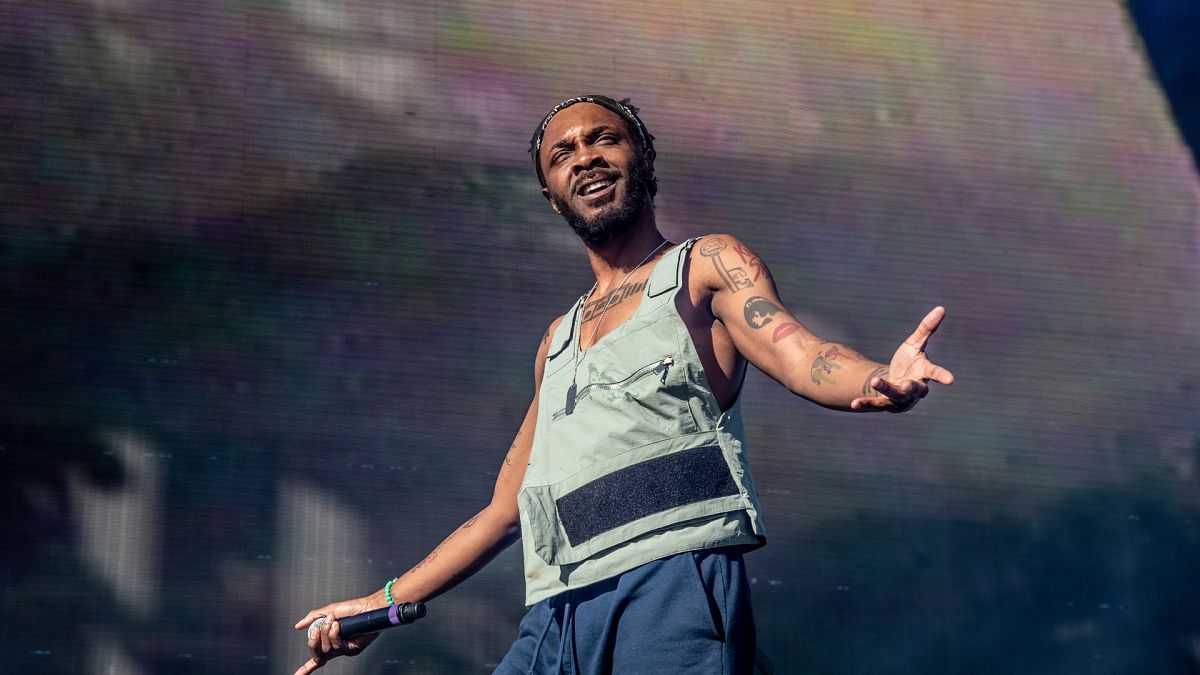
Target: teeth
595 187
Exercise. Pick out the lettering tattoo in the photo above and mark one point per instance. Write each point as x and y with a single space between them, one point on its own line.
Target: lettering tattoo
734 279
508 457
825 364
867 389
431 557
759 311
752 261
438 549
784 331
594 308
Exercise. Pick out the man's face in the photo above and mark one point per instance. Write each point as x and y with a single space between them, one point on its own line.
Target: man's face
595 175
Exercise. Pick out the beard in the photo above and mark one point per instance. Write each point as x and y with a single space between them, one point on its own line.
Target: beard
616 218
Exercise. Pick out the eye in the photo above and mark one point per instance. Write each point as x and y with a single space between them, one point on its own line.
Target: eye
607 138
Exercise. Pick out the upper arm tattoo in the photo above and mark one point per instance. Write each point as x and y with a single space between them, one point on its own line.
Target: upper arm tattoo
759 311
752 261
735 279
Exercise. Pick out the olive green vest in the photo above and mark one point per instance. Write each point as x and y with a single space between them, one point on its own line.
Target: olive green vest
645 465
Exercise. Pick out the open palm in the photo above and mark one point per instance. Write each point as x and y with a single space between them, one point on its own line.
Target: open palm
910 371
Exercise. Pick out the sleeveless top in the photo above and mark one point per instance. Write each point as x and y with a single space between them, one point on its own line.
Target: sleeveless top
645 465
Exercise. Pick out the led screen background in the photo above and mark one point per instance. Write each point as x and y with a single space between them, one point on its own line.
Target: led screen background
275 272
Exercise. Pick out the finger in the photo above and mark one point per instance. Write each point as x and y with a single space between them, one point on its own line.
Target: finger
871 404
314 628
895 392
939 374
926 328
902 396
308 667
326 642
335 632
308 618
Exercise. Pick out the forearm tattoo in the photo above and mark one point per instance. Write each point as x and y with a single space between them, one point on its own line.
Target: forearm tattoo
508 456
735 279
438 549
824 365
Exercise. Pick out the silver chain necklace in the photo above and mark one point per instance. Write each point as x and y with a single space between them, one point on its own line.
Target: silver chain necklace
580 351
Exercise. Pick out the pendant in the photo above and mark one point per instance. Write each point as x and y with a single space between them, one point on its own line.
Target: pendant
571 391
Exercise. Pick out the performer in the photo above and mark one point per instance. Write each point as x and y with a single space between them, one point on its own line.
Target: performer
628 481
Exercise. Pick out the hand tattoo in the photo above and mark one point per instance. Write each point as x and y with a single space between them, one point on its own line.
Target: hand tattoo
867 389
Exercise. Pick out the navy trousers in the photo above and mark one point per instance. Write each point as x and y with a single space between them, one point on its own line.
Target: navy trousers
689 613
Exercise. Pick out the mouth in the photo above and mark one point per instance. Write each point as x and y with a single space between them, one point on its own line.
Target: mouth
595 188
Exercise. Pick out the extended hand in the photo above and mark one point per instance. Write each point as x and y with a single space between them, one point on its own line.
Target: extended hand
905 381
324 642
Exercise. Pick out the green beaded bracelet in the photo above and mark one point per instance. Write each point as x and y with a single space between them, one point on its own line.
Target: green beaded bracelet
387 591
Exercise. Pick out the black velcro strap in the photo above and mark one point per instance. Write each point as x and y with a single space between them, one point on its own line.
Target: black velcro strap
644 489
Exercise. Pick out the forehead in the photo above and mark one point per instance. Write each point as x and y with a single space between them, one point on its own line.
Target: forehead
577 119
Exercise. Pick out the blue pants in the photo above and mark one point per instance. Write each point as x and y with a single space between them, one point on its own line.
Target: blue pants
689 613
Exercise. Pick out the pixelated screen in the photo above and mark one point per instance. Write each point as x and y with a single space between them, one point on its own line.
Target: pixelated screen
275 272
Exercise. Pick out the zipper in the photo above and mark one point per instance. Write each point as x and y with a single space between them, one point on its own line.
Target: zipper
659 366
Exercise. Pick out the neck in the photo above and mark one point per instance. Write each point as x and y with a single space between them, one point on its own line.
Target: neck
618 257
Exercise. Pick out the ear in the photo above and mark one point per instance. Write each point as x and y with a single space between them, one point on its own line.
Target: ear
546 194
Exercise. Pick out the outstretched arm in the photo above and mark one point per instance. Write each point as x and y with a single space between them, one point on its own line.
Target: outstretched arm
745 301
465 551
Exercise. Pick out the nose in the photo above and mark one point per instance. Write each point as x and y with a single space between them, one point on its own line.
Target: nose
586 158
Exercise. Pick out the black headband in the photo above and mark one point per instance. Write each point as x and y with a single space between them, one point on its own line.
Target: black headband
623 108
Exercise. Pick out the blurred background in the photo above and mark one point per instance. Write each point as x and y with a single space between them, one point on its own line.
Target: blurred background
274 273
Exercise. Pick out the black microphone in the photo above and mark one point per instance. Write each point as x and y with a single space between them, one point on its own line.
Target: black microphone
375 620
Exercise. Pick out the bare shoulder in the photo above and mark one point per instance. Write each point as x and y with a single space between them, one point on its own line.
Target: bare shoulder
544 344
724 262
544 347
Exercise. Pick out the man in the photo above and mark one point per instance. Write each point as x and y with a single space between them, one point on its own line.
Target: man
628 481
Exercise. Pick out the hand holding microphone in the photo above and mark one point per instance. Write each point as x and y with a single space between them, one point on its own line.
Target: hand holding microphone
357 626
374 620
